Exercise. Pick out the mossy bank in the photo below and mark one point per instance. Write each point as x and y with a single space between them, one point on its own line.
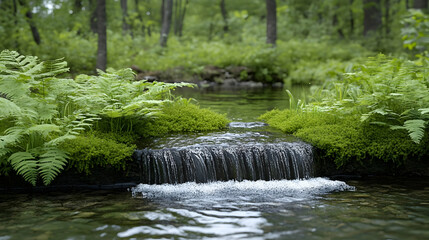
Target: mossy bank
373 121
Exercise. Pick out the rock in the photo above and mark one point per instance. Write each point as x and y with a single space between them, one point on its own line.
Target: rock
136 69
209 73
277 85
230 82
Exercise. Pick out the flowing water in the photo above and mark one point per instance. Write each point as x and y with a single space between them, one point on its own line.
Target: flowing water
250 202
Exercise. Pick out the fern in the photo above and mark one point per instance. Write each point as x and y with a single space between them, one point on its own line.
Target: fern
9 109
16 64
415 128
30 145
25 164
51 163
385 92
45 111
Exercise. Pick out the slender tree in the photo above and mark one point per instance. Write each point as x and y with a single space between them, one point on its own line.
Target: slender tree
93 17
352 20
179 16
372 16
420 4
102 37
77 6
30 21
224 16
125 26
387 16
167 12
271 22
140 16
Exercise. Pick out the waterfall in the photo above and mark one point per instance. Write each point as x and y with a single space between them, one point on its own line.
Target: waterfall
201 164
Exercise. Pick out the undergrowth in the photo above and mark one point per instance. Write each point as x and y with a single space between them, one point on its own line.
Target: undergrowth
44 120
379 111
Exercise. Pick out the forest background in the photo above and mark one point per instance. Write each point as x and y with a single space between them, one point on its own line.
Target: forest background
368 109
316 40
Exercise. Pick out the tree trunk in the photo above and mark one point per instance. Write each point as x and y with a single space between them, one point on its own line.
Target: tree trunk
179 16
271 22
372 16
16 29
93 17
140 16
224 16
125 25
387 16
335 24
176 16
166 21
352 20
34 30
182 19
30 21
102 38
420 4
77 7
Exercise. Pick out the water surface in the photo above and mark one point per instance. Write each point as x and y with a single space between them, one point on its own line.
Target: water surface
306 209
315 208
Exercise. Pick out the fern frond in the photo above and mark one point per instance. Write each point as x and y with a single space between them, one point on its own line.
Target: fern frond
8 108
58 140
51 163
25 165
416 129
16 64
424 111
13 135
3 151
13 88
43 129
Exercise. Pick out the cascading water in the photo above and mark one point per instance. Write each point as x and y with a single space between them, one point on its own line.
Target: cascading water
233 159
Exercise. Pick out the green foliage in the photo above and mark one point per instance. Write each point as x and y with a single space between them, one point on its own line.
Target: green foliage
182 116
384 91
299 62
344 138
115 94
39 113
30 143
377 112
415 31
95 149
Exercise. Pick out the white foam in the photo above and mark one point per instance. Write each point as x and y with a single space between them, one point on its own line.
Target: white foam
250 189
157 230
246 124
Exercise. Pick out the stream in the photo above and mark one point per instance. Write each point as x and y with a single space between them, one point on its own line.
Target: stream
266 206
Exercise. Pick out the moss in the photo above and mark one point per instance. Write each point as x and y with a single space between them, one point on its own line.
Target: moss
95 149
181 116
109 149
345 140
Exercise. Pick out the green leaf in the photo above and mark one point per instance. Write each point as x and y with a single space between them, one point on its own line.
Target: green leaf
51 163
424 111
8 108
44 129
25 165
416 129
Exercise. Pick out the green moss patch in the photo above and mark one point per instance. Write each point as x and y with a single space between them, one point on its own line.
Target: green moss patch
346 140
182 116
